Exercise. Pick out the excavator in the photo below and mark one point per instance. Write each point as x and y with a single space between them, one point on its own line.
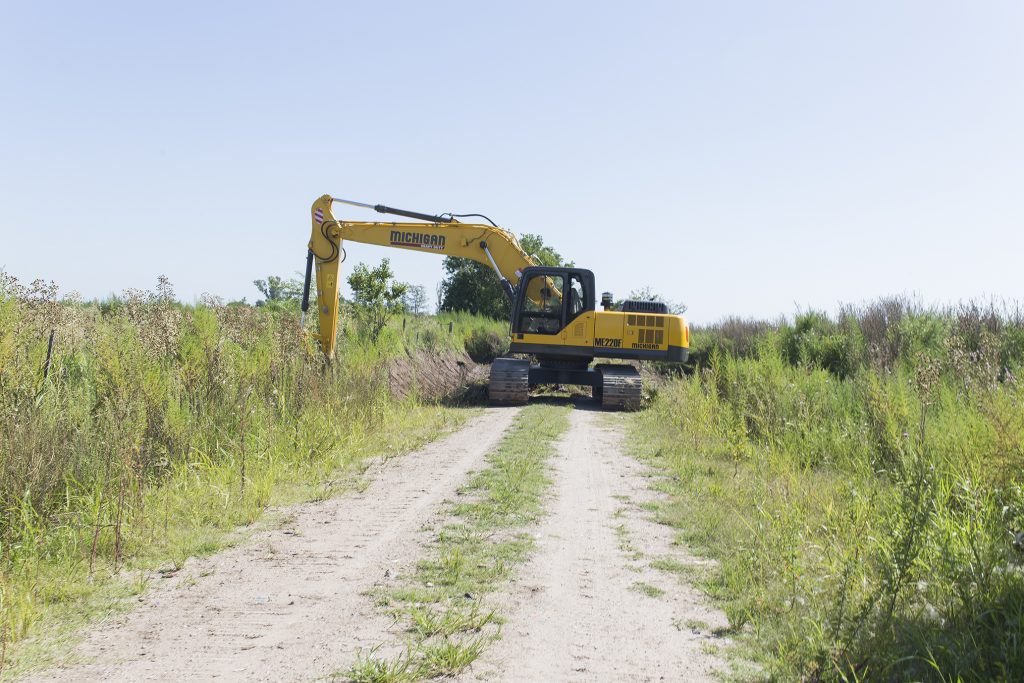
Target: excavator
554 317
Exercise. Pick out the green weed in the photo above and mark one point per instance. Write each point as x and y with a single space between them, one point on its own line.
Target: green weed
450 656
428 622
368 668
672 565
647 589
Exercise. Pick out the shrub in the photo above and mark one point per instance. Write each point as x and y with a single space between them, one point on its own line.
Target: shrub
377 297
815 340
483 346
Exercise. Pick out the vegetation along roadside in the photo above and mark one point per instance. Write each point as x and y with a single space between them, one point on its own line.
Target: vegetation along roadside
859 481
145 431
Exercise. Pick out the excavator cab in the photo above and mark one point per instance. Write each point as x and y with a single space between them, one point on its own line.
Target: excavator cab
549 299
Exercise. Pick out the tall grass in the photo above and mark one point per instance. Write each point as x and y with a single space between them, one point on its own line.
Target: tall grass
859 479
158 426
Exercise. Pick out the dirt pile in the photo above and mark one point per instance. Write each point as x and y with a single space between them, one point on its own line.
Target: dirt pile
435 375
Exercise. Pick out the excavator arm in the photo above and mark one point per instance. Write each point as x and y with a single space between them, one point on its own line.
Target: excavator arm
442 235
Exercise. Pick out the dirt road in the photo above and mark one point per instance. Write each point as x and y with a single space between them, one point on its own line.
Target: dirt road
290 604
588 606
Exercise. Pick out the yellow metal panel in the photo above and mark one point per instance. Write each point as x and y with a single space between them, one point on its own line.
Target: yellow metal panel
579 332
608 329
655 332
678 334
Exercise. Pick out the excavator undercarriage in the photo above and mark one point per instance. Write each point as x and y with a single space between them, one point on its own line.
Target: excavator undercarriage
616 387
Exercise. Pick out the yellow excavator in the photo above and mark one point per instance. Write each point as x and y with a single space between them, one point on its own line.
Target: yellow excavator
554 317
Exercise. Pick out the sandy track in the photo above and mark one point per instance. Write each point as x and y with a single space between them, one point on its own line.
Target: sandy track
288 604
575 613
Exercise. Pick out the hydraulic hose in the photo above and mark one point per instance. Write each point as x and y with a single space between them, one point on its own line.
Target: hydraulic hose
305 285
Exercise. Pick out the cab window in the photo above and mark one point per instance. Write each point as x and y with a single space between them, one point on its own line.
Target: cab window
542 305
577 300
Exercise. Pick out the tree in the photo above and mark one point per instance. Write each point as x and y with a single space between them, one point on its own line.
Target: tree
278 289
472 286
541 253
376 297
415 299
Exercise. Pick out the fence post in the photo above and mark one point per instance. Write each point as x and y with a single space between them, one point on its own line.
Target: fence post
49 355
450 325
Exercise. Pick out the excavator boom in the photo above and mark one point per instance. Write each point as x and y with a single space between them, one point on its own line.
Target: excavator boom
442 235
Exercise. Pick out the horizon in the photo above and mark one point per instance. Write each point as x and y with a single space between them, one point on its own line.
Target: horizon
1007 309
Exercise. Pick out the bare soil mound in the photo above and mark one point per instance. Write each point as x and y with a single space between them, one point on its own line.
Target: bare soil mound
434 375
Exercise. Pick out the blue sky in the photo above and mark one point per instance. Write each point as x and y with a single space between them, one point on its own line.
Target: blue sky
742 157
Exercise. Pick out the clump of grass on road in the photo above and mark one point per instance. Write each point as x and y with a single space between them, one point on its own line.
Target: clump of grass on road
647 589
442 602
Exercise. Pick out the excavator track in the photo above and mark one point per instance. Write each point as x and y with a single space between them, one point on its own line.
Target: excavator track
510 382
620 387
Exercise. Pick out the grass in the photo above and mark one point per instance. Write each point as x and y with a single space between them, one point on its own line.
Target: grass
442 601
427 621
159 431
671 565
647 589
858 481
625 543
370 668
